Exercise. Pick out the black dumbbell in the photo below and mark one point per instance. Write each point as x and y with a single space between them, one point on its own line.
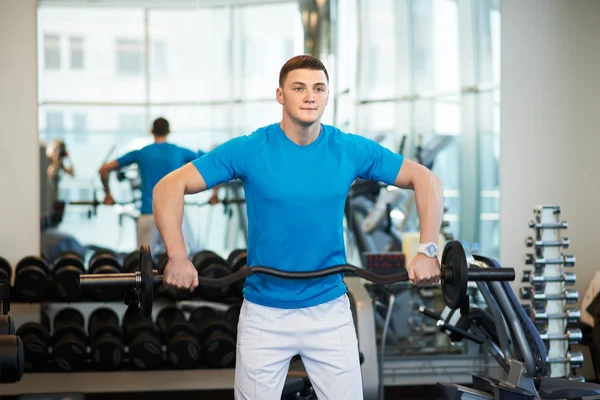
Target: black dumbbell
65 275
32 279
179 335
106 340
104 262
7 325
143 339
217 337
69 350
232 315
211 265
36 340
131 261
237 261
12 357
5 270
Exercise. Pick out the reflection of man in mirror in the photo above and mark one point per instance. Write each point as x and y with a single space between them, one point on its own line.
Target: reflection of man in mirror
154 162
59 163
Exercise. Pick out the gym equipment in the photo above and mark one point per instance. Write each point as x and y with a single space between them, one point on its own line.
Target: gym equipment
32 279
454 277
12 362
36 340
232 315
212 266
69 350
216 335
5 270
572 335
143 339
547 294
237 260
106 340
104 263
183 349
65 276
520 351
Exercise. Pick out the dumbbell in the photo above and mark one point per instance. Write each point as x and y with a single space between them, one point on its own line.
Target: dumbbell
5 270
11 358
565 260
211 265
36 339
548 225
180 336
569 296
574 358
103 262
131 262
65 275
143 339
69 350
568 278
232 315
572 335
572 315
32 279
237 261
106 340
216 335
531 242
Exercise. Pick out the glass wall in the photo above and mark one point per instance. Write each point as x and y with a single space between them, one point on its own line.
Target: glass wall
106 73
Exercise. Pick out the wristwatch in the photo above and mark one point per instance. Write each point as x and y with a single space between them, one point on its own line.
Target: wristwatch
429 249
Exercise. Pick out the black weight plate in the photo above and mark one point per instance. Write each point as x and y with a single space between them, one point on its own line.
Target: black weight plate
33 261
107 353
102 316
167 317
219 350
71 259
32 283
66 283
12 355
236 259
102 259
454 284
68 315
232 315
203 315
147 287
183 350
200 256
35 338
69 353
211 327
5 269
7 325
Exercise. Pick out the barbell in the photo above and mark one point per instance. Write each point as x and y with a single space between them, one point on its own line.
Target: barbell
454 276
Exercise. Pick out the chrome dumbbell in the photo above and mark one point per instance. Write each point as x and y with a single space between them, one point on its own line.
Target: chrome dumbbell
572 315
569 296
548 225
572 335
575 358
530 241
565 260
568 278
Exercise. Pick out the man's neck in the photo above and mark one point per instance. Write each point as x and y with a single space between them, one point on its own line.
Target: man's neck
300 134
160 139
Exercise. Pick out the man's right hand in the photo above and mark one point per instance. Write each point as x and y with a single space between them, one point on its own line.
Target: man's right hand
180 273
108 200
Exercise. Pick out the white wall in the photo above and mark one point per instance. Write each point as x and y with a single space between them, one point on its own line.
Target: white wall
19 152
550 137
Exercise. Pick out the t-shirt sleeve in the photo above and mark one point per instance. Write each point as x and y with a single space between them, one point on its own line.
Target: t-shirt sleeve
374 161
225 162
128 159
189 155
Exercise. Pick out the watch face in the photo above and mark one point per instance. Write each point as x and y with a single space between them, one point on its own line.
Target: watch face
431 249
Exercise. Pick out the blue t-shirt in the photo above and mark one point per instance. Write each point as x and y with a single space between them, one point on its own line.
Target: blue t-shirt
154 162
295 197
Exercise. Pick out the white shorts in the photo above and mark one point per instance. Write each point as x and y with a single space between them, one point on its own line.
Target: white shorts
324 336
147 232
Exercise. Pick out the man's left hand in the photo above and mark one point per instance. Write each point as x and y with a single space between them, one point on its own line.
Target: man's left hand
424 270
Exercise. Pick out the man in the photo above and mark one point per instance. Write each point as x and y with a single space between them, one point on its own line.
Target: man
154 162
296 176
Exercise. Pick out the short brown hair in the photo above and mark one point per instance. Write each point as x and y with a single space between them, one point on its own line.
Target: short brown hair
160 127
301 62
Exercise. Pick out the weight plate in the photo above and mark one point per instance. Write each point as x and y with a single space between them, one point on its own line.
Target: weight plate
130 264
147 284
454 284
5 269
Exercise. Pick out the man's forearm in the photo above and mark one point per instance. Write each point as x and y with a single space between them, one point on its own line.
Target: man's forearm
104 179
167 207
429 195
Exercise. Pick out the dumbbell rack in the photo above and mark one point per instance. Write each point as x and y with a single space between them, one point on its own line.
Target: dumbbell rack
550 293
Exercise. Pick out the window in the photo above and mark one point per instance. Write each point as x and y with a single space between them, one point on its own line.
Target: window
52 51
158 59
132 123
130 56
76 44
55 122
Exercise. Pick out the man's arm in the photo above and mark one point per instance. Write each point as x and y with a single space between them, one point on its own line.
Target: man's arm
105 172
428 194
167 206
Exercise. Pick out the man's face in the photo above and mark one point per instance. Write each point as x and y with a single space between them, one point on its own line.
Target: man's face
304 95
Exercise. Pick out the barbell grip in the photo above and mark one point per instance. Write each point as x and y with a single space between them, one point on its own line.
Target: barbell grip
490 274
